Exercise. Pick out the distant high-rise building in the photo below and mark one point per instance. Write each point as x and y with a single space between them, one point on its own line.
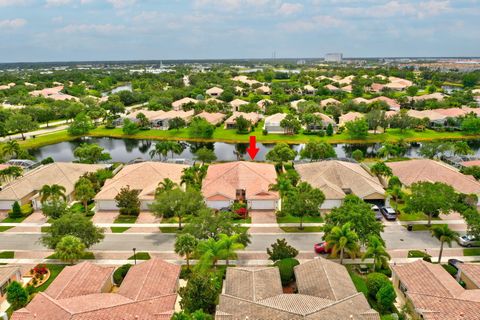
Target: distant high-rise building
333 57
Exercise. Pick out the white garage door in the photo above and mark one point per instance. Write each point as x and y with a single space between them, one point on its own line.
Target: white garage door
262 204
6 205
106 205
218 204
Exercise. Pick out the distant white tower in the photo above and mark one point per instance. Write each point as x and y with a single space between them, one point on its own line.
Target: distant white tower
333 57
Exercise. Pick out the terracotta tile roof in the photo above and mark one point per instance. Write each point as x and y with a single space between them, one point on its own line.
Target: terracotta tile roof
416 170
350 116
324 279
472 271
309 88
256 293
328 101
394 105
213 118
264 89
275 119
264 102
253 117
214 90
161 115
333 177
294 104
142 280
472 110
177 105
144 176
432 96
226 178
376 87
62 173
360 100
433 307
238 102
430 114
452 112
470 163
325 118
331 87
81 279
7 271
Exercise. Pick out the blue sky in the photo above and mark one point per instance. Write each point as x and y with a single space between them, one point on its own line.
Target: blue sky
67 30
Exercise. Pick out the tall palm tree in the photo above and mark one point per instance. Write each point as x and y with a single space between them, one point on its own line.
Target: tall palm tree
343 240
230 245
160 149
53 192
11 149
165 185
283 185
185 245
193 176
175 147
396 193
444 234
377 251
209 251
10 173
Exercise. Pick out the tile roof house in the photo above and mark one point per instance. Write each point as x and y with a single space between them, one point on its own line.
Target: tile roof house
308 89
470 274
212 117
244 79
160 119
8 274
294 104
434 293
53 93
417 170
245 181
328 101
325 121
262 104
214 91
25 188
272 123
331 87
143 176
178 105
264 90
432 96
253 117
338 178
376 87
84 291
237 103
325 291
398 83
349 116
392 104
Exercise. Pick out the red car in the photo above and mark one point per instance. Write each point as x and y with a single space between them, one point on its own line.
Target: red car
321 248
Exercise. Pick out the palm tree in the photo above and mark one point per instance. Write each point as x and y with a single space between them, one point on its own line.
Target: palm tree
175 147
230 245
343 240
10 173
161 149
185 245
53 192
381 169
193 176
377 251
165 185
396 193
209 251
444 234
283 185
11 149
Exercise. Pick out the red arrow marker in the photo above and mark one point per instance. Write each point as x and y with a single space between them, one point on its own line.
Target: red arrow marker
252 149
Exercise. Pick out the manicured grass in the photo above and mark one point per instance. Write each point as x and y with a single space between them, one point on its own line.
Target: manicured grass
7 255
140 256
415 217
358 280
418 254
86 256
305 229
423 227
292 219
55 269
224 135
13 220
248 220
125 219
119 229
169 229
175 220
471 252
3 228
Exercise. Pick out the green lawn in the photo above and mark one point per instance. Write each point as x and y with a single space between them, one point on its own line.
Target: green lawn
291 219
7 255
119 229
55 269
358 280
424 227
13 220
3 228
140 256
471 252
86 256
224 135
125 219
305 229
418 254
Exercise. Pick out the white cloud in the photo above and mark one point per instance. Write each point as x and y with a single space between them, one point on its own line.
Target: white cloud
289 8
121 4
231 5
314 23
7 3
57 3
105 29
13 23
58 19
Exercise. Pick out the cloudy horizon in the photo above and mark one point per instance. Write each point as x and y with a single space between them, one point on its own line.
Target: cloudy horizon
92 30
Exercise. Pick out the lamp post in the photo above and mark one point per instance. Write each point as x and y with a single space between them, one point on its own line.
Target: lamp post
134 255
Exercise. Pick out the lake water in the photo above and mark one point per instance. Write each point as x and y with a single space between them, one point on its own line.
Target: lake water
127 87
125 150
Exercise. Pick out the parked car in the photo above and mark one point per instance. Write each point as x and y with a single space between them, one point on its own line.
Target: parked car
378 214
468 241
454 263
389 213
321 248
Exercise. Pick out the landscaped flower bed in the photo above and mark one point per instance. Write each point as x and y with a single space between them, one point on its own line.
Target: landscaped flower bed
40 275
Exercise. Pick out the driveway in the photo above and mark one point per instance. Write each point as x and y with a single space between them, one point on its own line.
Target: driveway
264 217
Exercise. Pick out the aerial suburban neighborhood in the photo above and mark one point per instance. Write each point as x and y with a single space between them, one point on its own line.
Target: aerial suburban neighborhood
193 186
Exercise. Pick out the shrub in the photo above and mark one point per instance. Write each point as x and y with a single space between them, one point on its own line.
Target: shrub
450 269
357 155
120 273
387 272
47 160
375 281
40 269
16 211
17 296
26 209
281 250
265 132
285 267
385 297
321 133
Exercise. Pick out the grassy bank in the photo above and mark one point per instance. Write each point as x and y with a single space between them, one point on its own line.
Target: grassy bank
230 136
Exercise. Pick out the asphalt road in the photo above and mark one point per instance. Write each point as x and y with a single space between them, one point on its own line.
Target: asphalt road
396 237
